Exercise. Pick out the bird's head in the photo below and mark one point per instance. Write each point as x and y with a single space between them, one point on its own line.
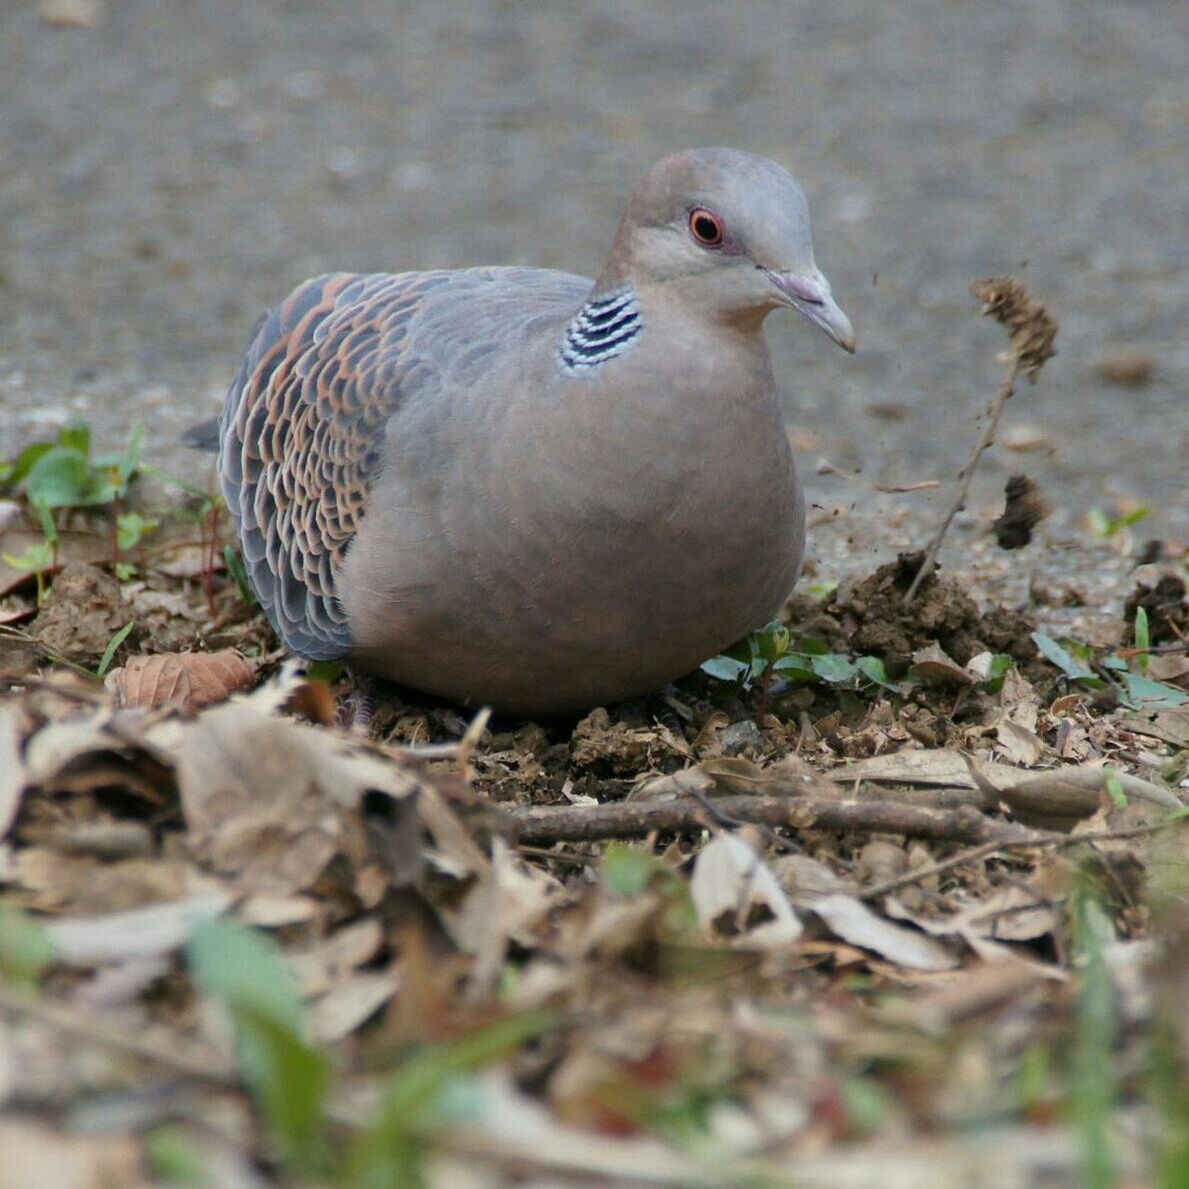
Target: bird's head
729 231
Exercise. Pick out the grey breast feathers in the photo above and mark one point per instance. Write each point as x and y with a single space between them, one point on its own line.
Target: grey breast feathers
307 416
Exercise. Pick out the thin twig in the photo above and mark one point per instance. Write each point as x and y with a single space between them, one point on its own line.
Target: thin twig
994 411
922 873
1050 841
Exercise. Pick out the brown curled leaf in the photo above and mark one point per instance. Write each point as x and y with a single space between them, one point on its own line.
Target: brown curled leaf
1059 799
189 680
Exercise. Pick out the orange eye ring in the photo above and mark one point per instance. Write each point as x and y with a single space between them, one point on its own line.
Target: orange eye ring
706 227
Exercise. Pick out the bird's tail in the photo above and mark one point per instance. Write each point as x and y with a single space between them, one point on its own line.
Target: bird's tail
203 436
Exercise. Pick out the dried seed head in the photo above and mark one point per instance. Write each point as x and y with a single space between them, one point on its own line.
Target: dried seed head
1031 328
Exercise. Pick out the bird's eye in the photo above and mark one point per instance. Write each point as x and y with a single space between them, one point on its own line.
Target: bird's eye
705 227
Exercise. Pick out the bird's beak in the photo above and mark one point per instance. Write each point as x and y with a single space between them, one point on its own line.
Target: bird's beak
812 297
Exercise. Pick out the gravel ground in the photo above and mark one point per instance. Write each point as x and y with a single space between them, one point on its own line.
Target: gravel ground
178 165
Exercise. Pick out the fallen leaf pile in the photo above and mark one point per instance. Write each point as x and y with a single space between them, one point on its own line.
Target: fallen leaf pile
713 938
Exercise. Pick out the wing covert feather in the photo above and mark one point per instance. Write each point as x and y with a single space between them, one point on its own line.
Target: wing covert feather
304 425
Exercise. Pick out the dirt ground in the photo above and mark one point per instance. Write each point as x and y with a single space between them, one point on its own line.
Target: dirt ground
175 167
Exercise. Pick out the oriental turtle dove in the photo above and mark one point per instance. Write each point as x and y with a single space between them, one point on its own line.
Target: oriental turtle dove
523 488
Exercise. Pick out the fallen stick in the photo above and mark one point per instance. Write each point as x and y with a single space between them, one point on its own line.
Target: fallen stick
686 815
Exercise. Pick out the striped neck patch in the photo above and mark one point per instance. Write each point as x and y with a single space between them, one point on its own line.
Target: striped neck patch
605 327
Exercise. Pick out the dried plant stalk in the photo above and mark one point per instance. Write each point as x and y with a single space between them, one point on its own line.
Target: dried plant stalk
1032 332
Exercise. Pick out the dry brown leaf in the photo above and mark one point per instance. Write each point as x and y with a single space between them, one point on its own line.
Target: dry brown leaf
933 664
934 767
138 933
54 882
12 768
505 904
14 609
1014 913
1169 726
983 987
1024 509
1019 744
729 882
968 927
37 1155
321 967
1061 798
349 1005
274 801
188 680
852 921
95 750
82 612
187 560
72 546
789 777
813 887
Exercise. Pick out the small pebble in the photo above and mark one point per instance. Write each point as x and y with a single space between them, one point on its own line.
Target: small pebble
1126 365
740 737
1023 437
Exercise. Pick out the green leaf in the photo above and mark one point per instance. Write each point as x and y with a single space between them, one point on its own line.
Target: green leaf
1093 1088
48 528
59 478
385 1154
130 460
1152 695
20 466
627 871
873 668
36 557
866 1102
1114 787
288 1078
234 964
110 651
328 671
175 1159
1130 518
834 668
25 948
811 647
795 667
821 590
1103 525
131 527
234 562
725 668
1064 661
1143 638
181 484
76 435
771 642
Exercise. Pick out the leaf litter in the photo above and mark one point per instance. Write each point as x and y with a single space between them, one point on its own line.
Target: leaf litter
837 927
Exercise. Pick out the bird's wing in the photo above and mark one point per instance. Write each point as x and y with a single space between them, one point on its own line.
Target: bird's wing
308 412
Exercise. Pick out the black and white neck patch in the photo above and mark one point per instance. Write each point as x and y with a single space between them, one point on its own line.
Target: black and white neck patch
605 327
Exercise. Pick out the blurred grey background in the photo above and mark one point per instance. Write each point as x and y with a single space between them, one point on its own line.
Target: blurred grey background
171 167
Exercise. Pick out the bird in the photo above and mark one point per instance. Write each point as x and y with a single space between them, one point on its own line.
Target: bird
524 488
